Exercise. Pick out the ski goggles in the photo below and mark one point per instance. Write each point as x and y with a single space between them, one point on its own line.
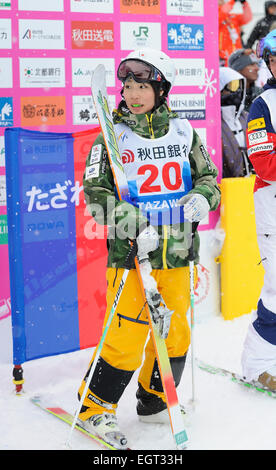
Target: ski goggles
267 45
232 86
140 71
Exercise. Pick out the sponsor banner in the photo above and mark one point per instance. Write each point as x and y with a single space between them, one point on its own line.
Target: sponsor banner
48 53
84 112
6 79
186 37
6 111
52 291
41 34
140 35
3 230
43 111
92 35
186 7
189 106
140 7
42 73
82 70
5 4
92 6
36 5
190 72
5 33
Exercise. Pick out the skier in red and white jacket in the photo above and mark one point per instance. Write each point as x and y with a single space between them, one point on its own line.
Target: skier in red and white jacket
259 354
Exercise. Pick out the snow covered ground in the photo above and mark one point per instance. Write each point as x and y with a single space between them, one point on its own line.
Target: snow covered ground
227 416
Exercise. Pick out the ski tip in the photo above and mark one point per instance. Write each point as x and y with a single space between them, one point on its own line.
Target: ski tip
183 445
35 398
98 74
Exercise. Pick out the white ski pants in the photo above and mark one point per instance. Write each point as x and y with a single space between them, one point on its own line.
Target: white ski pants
259 353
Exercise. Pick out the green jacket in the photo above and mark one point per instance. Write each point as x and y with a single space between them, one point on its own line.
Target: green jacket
104 206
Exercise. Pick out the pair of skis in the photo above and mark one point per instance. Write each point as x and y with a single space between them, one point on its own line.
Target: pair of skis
100 99
252 385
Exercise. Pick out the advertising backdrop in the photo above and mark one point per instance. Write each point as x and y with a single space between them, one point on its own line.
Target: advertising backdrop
48 50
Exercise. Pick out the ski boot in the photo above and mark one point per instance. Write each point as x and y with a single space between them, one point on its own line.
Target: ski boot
105 426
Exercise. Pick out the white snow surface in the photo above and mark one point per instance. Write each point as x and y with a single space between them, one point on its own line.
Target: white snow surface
226 416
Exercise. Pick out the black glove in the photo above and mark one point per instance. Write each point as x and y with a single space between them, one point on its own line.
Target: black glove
242 1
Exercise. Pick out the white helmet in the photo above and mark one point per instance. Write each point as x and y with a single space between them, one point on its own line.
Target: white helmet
158 59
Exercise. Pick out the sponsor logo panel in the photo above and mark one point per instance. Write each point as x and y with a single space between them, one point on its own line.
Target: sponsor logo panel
42 72
140 35
92 6
41 34
43 111
185 7
92 35
84 111
189 106
5 33
6 72
6 111
187 37
140 7
5 4
82 70
3 234
190 72
36 5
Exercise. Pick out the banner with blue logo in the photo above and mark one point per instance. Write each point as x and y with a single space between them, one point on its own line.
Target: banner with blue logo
185 37
57 265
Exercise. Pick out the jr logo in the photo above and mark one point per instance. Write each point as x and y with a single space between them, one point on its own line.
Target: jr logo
142 31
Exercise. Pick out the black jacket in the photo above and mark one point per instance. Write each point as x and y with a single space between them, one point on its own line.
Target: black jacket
262 27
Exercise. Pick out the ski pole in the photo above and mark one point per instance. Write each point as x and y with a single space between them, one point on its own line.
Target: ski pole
128 265
191 258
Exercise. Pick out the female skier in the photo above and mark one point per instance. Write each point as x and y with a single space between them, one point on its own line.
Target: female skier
259 354
168 169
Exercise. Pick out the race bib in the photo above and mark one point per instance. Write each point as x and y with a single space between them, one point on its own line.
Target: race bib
158 170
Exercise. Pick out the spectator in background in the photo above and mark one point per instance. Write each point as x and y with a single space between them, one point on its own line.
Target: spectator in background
245 62
263 26
233 124
230 27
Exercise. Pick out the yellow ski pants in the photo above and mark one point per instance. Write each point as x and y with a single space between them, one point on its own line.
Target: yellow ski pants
124 348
